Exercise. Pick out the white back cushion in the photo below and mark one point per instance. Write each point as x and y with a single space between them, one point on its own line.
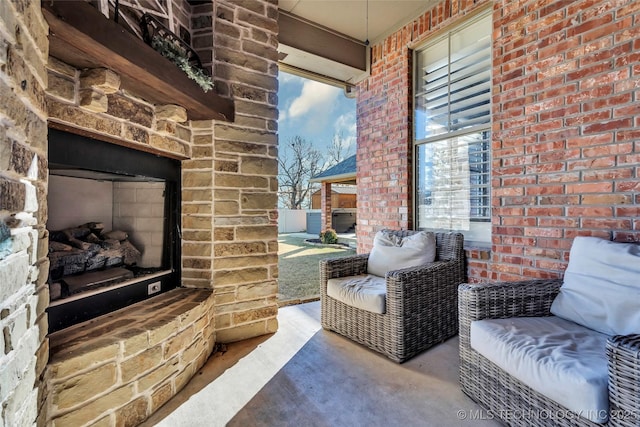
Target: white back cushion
391 252
601 288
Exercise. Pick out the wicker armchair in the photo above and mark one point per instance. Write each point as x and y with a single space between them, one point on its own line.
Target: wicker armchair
510 399
421 302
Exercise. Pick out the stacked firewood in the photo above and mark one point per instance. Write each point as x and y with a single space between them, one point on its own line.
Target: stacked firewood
88 247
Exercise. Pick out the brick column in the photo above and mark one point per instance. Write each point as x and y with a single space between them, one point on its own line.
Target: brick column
325 206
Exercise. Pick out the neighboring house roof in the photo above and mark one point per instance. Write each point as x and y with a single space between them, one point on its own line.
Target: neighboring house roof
344 172
341 190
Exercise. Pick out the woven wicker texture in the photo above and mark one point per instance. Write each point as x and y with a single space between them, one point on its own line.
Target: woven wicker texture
511 400
421 302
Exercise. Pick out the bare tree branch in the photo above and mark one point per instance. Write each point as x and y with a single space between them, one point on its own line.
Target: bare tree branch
299 161
339 149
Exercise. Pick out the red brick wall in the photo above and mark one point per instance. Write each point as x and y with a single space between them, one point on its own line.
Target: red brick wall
384 140
565 140
325 206
384 111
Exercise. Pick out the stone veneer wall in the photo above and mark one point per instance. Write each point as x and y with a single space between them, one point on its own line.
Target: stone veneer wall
229 185
92 102
23 178
564 140
231 244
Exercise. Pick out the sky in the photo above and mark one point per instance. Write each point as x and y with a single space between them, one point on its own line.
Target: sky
315 111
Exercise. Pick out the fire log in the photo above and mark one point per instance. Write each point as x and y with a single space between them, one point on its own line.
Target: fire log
87 248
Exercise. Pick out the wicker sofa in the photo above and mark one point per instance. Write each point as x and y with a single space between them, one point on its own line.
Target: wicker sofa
510 399
421 302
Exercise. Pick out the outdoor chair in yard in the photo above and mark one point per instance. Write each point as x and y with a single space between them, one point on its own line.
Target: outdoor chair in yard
559 351
401 298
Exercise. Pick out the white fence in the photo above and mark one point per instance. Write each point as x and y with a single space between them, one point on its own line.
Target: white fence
292 220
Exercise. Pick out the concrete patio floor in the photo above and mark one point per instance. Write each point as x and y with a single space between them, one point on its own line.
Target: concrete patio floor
306 376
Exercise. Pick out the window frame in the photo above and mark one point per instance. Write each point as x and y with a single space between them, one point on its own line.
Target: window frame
438 37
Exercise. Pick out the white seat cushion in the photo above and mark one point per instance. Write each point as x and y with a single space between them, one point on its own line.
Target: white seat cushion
366 291
562 360
601 287
391 252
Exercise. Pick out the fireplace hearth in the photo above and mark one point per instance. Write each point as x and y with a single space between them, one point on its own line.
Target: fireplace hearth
113 225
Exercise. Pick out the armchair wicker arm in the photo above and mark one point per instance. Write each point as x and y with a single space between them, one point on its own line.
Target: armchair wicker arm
424 300
332 268
507 299
623 352
416 284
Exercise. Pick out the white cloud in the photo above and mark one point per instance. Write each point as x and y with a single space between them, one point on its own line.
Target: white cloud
313 111
317 98
346 125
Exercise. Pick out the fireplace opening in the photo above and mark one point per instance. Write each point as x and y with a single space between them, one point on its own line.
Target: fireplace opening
113 222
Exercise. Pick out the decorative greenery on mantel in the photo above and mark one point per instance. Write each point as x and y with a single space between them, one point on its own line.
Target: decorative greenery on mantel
178 56
81 35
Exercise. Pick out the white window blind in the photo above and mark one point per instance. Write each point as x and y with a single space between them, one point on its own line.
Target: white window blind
454 88
452 129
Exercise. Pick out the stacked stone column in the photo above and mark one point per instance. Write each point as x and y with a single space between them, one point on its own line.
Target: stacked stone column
23 237
237 253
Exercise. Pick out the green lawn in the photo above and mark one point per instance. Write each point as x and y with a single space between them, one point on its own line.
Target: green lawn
299 271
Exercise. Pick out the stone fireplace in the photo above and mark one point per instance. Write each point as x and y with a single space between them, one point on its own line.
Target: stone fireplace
226 264
114 235
118 352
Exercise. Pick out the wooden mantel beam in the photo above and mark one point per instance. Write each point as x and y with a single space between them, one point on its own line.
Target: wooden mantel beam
81 36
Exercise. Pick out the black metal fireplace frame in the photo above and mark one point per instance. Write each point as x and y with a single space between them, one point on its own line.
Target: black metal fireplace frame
71 151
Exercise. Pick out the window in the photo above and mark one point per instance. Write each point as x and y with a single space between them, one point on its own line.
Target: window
452 119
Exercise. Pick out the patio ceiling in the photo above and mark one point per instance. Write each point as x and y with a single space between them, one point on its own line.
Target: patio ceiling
326 38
